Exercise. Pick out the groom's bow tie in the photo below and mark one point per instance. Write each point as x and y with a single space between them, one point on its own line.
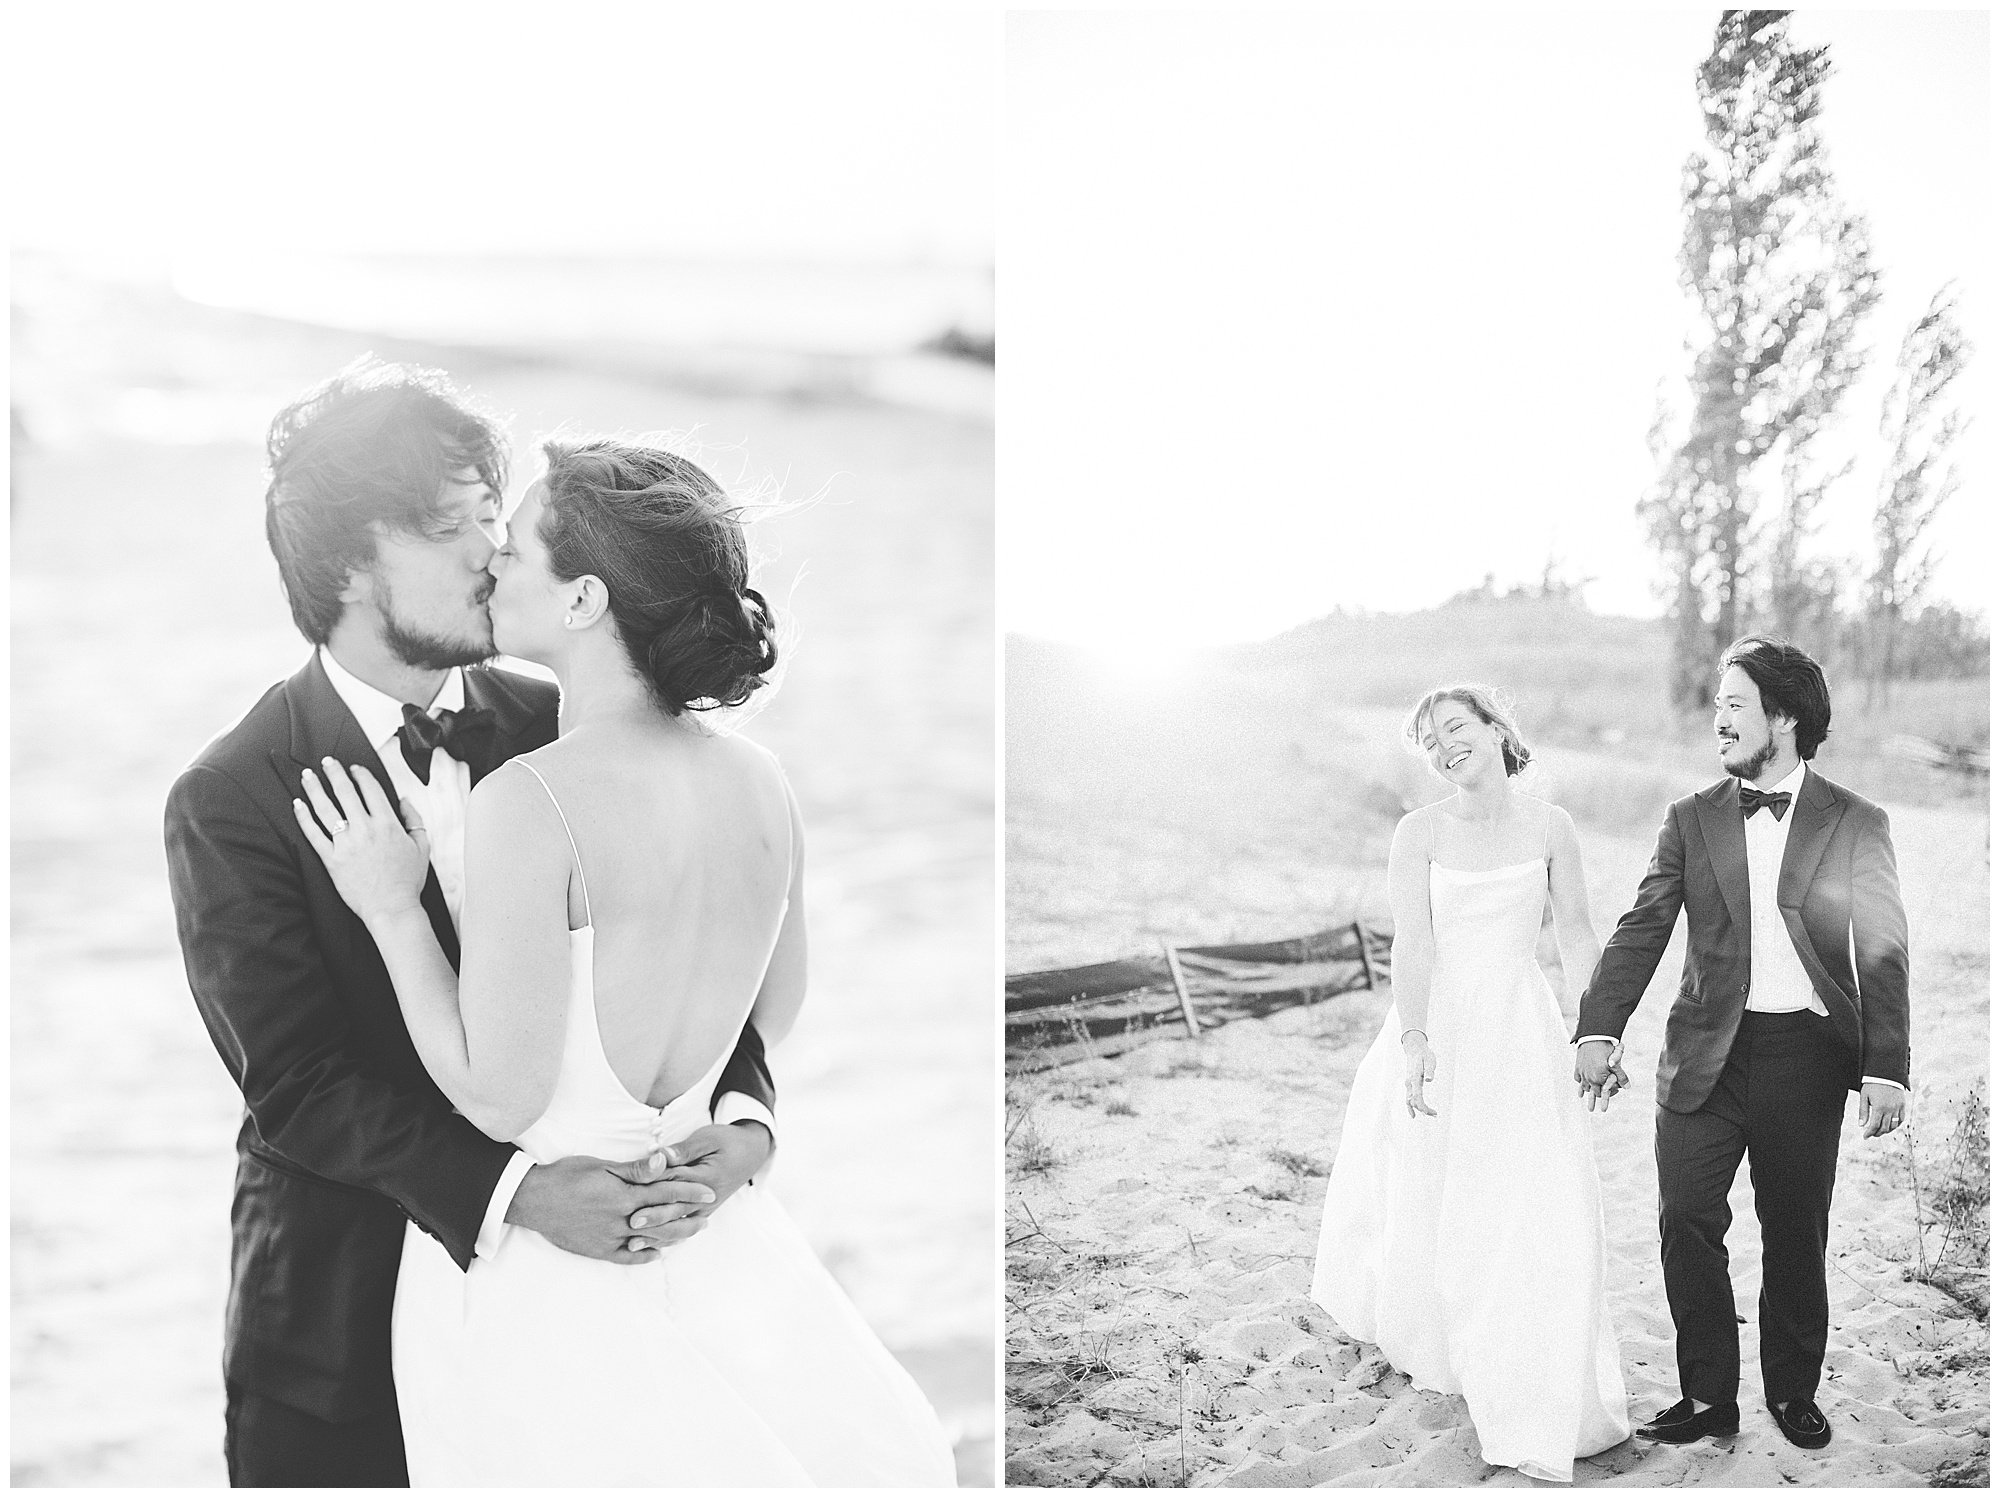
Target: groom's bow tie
466 736
1749 799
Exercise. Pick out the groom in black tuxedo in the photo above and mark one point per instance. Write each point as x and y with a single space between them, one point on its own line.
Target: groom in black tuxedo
1795 993
383 511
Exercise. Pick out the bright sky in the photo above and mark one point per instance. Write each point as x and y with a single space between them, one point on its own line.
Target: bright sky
1315 310
142 131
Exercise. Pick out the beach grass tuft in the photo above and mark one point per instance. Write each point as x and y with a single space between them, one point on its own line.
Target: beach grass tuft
1953 1203
1298 1164
1030 1153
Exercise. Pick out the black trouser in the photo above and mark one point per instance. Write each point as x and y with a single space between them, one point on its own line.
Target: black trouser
1780 1098
272 1445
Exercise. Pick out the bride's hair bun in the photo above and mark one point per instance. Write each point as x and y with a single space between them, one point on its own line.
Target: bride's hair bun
669 548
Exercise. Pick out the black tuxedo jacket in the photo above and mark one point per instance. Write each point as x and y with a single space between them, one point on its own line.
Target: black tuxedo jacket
344 1134
1841 905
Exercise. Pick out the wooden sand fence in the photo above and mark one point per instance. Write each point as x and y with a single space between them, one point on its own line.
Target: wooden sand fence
1961 759
1107 1007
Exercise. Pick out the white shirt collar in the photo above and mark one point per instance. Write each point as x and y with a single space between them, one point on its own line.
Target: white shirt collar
1791 785
379 714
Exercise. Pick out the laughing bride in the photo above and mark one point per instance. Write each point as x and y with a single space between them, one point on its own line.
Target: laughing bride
1463 1233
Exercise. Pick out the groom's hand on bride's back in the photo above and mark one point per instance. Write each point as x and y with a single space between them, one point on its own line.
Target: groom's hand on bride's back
722 1157
718 1159
595 1207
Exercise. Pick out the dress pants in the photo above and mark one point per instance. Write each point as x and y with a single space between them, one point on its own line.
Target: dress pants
1780 1099
272 1445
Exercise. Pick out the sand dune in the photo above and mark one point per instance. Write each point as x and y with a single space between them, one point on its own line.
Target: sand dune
1164 1206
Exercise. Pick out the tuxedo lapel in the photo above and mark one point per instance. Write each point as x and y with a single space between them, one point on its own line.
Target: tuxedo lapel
322 725
520 724
1728 854
1816 815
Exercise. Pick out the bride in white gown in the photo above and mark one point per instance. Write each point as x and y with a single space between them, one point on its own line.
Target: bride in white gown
632 896
1463 1233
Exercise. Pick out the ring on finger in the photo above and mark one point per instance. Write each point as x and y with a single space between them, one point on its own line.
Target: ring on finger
337 826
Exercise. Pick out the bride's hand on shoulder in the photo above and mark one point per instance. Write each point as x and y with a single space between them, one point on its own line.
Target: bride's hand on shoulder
378 866
1419 1067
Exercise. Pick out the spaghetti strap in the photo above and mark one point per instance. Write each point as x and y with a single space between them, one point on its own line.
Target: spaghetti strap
574 855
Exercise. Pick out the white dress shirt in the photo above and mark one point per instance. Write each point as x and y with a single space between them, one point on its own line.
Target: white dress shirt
441 804
1778 981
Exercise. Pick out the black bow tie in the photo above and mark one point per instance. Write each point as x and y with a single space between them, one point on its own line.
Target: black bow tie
1749 798
466 735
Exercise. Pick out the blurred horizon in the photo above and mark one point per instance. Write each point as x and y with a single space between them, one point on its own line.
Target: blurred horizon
790 305
920 339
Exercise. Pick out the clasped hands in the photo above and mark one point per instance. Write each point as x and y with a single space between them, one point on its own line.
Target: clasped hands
1599 1077
627 1213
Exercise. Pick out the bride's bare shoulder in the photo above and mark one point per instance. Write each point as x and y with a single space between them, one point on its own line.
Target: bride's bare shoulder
1415 830
517 808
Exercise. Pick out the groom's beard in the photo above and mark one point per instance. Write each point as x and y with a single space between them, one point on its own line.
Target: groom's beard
1752 767
426 649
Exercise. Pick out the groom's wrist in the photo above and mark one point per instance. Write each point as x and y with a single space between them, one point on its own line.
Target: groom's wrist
500 1206
528 1194
761 1132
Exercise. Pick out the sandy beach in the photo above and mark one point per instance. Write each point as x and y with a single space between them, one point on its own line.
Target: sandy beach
1163 1208
146 616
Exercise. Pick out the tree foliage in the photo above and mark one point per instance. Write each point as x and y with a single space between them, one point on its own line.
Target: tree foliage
1922 424
1780 275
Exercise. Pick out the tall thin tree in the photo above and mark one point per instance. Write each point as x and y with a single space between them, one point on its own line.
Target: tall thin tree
1673 526
1804 595
1922 424
1781 275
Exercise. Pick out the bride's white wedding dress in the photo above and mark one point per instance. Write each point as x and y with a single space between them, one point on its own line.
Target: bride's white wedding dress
1470 1247
733 1360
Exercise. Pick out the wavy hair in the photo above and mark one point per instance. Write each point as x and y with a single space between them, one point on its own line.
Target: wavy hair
371 445
1484 703
670 550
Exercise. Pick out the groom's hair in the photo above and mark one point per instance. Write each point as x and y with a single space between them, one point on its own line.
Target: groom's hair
370 446
1790 682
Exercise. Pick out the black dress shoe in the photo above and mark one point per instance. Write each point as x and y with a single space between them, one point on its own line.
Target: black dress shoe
1682 1422
1801 1422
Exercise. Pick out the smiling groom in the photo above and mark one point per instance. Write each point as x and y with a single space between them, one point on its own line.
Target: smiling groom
1795 992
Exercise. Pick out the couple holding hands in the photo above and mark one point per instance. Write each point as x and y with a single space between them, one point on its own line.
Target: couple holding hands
1463 1232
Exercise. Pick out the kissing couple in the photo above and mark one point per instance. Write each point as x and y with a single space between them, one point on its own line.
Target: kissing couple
1463 1232
494 964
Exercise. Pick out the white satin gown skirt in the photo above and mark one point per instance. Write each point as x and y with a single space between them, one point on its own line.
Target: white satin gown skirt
1470 1247
733 1360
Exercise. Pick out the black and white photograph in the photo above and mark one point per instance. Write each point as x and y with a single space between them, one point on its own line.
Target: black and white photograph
503 774
1495 531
